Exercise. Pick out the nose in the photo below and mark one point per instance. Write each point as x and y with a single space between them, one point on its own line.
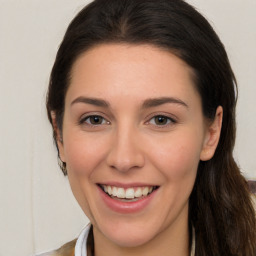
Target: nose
126 150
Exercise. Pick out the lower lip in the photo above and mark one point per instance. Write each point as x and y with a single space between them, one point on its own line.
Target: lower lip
126 207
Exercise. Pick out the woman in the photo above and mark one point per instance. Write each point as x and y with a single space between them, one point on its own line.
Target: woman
142 103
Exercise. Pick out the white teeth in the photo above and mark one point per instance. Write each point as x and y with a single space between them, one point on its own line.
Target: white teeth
145 191
129 193
114 191
138 192
120 193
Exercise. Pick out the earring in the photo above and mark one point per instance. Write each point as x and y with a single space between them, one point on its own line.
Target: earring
62 166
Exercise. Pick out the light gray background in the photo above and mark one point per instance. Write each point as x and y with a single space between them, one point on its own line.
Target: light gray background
38 211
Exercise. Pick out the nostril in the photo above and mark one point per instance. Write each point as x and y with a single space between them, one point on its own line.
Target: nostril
126 151
125 160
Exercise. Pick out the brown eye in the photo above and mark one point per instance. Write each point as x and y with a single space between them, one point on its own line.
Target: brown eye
94 120
161 120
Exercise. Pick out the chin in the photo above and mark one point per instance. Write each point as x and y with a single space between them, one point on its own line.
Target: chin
129 234
131 239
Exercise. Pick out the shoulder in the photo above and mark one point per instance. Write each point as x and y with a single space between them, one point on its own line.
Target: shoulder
52 253
67 249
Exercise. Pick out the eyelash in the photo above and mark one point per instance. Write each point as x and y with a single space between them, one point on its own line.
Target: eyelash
170 121
83 120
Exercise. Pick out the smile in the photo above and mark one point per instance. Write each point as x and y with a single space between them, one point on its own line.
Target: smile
127 199
128 194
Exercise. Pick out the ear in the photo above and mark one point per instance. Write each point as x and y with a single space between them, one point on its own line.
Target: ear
58 134
212 136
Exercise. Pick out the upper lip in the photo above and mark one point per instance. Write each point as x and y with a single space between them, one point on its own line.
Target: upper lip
128 185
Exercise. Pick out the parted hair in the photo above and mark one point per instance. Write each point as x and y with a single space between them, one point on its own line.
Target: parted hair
220 206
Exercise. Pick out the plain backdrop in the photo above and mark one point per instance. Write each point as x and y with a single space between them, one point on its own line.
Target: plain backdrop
37 209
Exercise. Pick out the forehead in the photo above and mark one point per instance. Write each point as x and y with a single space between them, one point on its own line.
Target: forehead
131 70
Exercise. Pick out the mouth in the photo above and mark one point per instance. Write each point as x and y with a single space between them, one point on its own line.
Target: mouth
130 194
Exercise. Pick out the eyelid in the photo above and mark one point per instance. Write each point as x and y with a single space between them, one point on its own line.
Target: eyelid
91 114
173 119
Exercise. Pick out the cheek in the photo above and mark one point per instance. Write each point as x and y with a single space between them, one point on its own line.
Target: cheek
83 153
178 157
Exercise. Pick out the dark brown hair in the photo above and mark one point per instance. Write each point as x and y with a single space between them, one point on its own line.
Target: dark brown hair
220 208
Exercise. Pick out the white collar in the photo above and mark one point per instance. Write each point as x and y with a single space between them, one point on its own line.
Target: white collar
80 249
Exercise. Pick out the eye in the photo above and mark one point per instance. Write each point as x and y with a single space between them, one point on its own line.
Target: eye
94 120
161 120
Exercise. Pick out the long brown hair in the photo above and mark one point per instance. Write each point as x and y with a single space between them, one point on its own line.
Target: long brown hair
220 207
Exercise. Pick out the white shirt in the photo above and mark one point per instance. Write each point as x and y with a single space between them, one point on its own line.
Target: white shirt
80 249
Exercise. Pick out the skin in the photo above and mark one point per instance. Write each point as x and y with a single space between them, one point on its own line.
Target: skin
129 146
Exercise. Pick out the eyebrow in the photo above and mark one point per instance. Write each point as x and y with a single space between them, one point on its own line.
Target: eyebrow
149 103
92 101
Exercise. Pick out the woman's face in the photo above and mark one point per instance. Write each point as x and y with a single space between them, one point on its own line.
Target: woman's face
133 125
